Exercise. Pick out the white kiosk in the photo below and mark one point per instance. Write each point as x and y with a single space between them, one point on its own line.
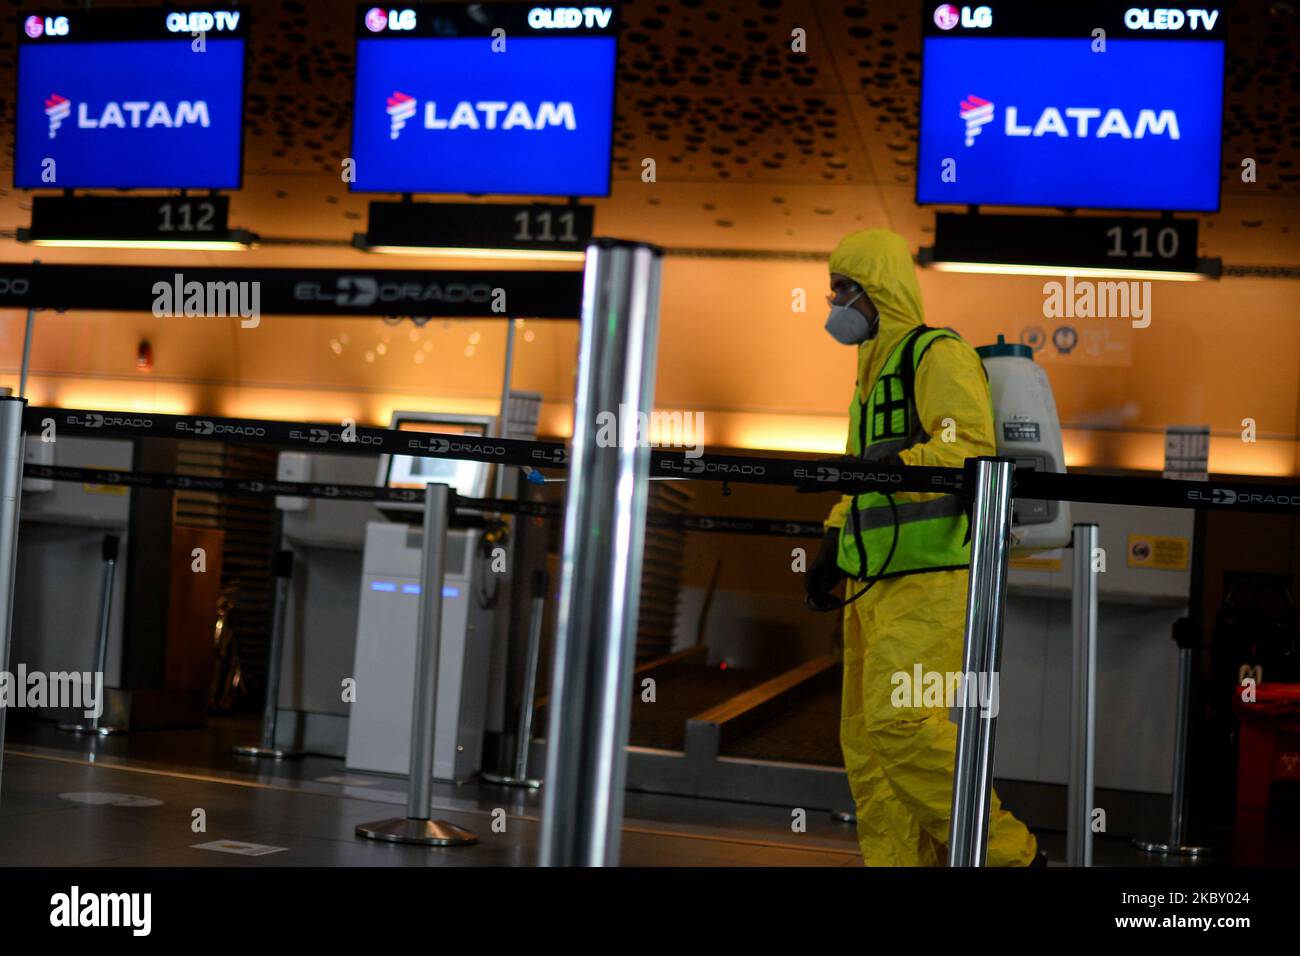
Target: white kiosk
379 726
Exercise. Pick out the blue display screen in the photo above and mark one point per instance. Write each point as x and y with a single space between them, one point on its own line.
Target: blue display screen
1049 122
436 115
130 114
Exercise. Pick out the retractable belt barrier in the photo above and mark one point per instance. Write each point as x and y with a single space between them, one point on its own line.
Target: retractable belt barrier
807 475
260 488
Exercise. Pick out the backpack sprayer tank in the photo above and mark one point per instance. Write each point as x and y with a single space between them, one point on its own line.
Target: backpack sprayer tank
1028 431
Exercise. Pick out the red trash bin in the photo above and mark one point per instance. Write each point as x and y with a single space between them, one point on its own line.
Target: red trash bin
1268 747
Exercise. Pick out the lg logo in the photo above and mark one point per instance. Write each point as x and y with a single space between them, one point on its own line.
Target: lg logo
378 19
946 17
47 26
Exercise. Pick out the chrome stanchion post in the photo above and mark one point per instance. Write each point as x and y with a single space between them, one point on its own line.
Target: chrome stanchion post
1185 636
11 486
600 561
989 481
416 827
282 571
110 550
525 732
28 332
503 418
1083 696
524 726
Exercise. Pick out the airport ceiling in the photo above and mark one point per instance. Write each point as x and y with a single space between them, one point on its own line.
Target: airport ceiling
758 151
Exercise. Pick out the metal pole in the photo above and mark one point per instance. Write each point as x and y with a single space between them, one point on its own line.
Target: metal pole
1178 803
1186 635
11 485
110 549
282 571
1083 697
27 350
503 418
525 732
990 482
600 560
416 827
524 725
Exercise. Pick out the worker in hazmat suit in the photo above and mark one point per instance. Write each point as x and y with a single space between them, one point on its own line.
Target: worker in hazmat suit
921 399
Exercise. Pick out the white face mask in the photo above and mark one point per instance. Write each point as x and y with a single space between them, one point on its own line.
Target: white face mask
848 326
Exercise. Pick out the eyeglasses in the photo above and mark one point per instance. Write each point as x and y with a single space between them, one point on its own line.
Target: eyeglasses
834 299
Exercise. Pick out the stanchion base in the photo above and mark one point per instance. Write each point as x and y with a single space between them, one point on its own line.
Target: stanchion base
422 832
1165 849
103 730
272 753
526 782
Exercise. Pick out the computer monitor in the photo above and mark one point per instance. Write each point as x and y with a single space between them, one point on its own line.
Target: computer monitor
1021 106
468 478
440 106
120 99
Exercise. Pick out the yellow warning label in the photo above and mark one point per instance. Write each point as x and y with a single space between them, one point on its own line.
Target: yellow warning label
1154 551
1032 563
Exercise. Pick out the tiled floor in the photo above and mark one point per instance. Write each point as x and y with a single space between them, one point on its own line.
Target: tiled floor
285 805
311 807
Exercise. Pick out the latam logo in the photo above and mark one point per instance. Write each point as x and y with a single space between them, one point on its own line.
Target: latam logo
57 108
976 112
482 115
400 109
132 114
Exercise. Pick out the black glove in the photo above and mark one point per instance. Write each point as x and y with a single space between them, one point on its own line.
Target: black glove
824 572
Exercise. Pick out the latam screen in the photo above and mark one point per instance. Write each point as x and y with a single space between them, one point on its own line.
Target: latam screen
510 99
133 98
1100 105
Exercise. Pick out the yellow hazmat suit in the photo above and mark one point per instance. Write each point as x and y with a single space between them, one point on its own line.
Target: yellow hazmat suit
900 758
